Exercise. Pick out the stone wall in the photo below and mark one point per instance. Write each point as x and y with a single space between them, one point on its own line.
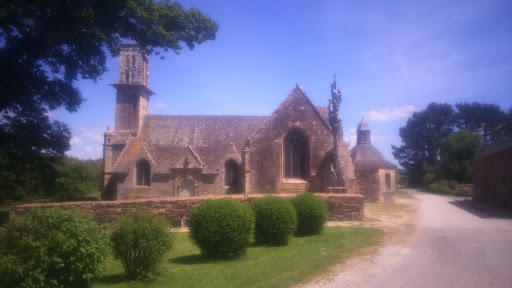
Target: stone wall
387 189
340 207
367 184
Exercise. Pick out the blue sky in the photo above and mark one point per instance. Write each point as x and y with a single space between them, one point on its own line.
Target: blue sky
390 57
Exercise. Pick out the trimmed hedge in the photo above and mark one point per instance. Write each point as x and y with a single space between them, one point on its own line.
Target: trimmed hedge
221 228
140 240
311 213
51 247
276 220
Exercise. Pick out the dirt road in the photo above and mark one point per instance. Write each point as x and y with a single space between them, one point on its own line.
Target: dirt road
455 244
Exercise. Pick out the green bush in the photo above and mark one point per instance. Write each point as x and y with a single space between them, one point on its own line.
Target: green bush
276 220
453 185
140 240
311 213
441 187
51 247
221 228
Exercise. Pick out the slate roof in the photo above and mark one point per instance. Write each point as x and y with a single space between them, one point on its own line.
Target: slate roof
366 155
165 137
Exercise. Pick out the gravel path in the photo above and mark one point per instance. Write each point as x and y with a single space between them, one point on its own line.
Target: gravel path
448 242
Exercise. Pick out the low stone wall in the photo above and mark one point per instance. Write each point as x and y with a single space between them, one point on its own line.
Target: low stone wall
340 207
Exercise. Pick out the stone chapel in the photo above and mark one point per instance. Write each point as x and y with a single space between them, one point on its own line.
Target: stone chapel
298 148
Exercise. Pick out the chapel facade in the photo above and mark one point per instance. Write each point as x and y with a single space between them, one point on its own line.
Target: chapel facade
298 148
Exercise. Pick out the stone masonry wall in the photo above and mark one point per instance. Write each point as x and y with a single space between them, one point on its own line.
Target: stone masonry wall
340 207
387 193
367 184
266 158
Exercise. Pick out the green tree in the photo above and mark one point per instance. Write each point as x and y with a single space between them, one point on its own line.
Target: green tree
48 45
457 152
508 122
487 120
76 178
421 139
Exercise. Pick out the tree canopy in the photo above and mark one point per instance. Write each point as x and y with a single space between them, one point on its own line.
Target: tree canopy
487 120
422 137
45 46
457 152
427 131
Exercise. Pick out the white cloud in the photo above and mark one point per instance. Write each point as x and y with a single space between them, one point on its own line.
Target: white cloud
384 115
76 140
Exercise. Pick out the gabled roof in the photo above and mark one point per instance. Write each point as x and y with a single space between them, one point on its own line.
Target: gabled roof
209 137
366 155
298 91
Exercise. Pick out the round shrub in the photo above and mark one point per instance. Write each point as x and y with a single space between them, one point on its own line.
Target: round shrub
441 187
276 220
311 213
140 240
453 185
51 247
221 228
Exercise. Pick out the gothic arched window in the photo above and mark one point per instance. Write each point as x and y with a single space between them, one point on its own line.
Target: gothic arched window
231 173
143 172
296 155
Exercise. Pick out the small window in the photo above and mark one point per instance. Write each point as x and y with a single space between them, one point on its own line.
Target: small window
388 181
133 61
127 76
133 76
231 173
143 172
127 61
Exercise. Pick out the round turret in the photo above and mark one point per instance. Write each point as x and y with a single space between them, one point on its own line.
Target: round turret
363 133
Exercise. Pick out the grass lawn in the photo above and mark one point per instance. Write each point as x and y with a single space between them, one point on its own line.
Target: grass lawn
302 260
401 194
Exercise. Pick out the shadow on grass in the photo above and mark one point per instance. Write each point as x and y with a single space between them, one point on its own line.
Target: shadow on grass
201 259
112 279
482 210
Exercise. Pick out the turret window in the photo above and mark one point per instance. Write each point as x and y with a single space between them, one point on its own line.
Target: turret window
143 172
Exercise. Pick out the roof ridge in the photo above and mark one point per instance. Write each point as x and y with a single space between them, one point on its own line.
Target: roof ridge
297 88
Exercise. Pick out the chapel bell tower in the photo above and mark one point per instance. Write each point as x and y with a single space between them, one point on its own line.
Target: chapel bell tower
132 99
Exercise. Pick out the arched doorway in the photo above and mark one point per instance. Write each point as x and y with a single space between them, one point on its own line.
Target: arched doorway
188 188
231 178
